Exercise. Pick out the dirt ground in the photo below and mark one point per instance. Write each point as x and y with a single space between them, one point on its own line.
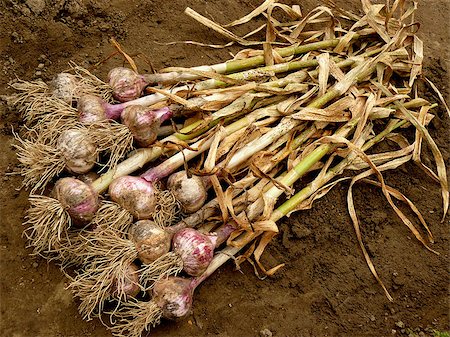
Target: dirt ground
325 289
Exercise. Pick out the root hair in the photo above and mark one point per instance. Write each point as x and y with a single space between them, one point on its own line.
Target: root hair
133 318
167 265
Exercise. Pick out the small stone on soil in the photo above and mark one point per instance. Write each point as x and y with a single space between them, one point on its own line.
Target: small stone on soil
400 324
265 333
16 38
36 6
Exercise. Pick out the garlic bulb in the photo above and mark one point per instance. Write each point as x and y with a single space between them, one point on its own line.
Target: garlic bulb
190 192
135 195
174 297
126 84
64 86
129 285
78 150
77 198
151 240
91 109
195 249
143 124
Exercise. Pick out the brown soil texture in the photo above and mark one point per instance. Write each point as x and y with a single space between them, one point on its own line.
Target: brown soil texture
325 289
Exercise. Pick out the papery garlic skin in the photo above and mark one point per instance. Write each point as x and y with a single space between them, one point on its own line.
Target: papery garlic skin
174 297
151 240
77 198
190 192
78 149
126 84
64 86
135 194
195 249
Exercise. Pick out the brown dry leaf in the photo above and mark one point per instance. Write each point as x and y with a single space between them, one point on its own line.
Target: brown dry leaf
441 168
353 216
400 196
324 71
228 142
380 158
417 61
220 197
270 38
344 42
260 174
370 102
371 15
321 115
265 226
174 98
436 90
418 143
318 11
321 192
257 11
210 162
377 170
264 241
195 43
242 104
219 29
292 103
127 57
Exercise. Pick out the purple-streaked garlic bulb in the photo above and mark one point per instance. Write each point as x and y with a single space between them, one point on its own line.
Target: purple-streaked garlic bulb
190 192
195 249
151 240
64 86
126 84
129 285
144 123
174 297
91 109
135 194
77 198
78 149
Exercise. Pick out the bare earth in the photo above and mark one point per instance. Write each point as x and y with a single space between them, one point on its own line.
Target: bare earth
325 289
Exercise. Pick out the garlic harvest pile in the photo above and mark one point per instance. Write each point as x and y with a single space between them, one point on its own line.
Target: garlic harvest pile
143 235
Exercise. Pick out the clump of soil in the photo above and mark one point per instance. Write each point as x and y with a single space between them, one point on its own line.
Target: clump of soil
325 289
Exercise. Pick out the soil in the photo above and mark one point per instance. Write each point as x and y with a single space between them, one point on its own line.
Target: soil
325 289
